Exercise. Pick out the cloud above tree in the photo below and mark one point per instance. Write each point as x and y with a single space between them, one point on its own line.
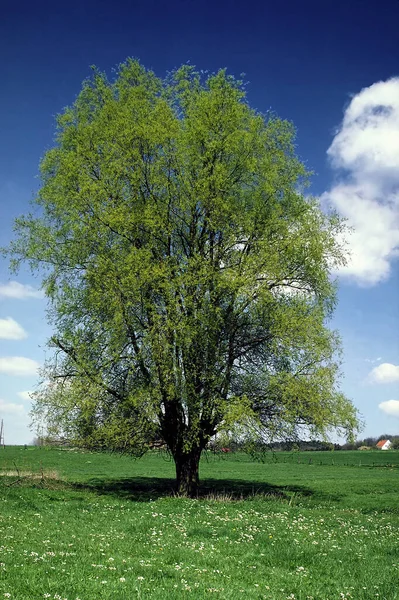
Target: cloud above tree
384 373
365 156
19 291
19 366
10 408
26 395
390 407
11 330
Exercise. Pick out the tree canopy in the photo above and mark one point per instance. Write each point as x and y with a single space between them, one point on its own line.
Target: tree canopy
187 272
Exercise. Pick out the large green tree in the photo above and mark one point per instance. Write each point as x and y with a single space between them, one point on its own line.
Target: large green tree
188 275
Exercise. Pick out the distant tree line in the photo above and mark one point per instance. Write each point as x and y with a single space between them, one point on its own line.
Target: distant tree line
223 444
371 442
301 445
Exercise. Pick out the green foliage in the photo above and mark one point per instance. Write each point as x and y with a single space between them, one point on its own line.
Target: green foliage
75 409
188 275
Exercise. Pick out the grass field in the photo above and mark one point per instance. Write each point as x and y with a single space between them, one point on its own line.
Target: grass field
304 526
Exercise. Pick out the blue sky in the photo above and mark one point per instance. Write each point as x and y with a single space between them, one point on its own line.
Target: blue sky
332 67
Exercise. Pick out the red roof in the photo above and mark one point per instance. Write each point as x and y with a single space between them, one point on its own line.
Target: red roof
381 443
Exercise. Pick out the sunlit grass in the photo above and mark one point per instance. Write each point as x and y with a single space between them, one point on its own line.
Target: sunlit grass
109 527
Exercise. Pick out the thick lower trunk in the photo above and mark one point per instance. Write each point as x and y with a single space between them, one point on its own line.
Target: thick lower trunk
187 472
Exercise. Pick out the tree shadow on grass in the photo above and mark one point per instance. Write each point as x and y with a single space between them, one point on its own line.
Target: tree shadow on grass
144 489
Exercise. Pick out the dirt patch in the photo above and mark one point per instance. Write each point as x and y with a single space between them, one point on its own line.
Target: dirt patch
48 474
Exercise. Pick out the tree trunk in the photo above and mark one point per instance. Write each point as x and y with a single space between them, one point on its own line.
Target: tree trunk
187 472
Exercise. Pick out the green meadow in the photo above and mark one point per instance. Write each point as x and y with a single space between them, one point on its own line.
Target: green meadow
306 526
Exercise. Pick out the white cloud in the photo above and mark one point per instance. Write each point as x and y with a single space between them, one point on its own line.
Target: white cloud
11 330
384 373
25 395
18 365
9 408
390 407
366 147
19 291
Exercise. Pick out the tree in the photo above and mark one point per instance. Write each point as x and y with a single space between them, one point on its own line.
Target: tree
395 442
186 271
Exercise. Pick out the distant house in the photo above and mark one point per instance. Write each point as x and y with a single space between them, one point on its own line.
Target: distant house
384 445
